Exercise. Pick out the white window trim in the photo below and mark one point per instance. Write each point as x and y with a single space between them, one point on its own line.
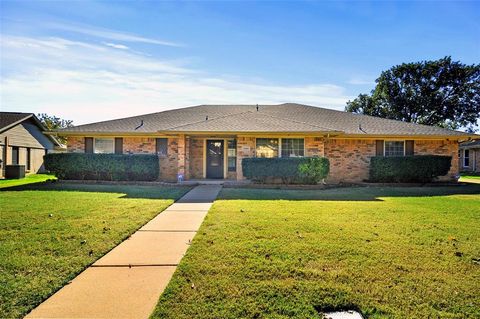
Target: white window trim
103 138
384 148
464 157
280 145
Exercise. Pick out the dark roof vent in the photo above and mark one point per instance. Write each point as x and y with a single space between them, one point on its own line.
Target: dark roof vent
141 124
206 118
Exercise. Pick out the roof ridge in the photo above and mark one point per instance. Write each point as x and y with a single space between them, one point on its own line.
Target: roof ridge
213 119
295 121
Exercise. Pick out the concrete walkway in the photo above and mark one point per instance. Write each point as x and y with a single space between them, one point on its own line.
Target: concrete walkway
127 282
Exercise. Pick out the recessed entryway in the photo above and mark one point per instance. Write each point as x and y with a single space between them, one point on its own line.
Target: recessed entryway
215 159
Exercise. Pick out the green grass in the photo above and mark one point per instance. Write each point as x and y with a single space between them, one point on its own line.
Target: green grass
388 252
29 179
49 233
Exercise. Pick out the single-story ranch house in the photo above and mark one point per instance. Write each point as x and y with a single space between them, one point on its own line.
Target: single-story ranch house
469 154
210 141
22 142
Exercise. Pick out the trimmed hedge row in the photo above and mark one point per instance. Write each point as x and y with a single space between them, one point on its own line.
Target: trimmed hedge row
307 170
404 169
111 167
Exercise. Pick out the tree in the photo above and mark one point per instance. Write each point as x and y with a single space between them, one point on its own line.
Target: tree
52 122
443 93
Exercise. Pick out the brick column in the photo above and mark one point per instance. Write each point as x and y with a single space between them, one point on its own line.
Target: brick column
183 158
181 155
245 148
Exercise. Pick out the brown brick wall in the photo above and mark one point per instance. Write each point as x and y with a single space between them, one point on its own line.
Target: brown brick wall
169 164
314 146
196 157
245 148
442 147
139 145
75 144
349 159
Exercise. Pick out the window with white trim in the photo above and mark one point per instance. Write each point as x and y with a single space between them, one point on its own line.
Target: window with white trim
103 145
293 147
394 148
266 147
466 158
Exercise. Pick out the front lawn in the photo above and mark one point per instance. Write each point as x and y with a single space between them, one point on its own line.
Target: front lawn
49 233
29 179
388 252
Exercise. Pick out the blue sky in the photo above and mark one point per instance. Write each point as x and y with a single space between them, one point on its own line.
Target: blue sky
90 60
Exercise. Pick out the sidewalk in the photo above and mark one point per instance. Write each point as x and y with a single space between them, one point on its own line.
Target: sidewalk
127 281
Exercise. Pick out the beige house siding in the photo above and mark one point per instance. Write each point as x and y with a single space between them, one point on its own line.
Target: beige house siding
25 135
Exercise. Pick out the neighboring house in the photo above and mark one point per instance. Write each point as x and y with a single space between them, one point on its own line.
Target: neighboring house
210 141
22 141
469 154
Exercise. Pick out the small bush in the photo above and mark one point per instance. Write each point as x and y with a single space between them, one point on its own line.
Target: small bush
111 167
309 170
405 169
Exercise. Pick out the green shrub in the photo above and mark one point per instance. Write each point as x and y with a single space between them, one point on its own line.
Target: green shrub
309 170
112 167
404 169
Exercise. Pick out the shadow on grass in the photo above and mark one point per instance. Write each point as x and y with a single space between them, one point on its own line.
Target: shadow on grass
129 191
367 193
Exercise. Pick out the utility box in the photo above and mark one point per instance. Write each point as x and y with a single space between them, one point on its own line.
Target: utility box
14 171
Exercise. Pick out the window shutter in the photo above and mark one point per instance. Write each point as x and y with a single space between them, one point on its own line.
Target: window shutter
88 144
409 147
379 147
118 145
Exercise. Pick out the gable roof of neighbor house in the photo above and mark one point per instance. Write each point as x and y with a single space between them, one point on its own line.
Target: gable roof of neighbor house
283 118
11 119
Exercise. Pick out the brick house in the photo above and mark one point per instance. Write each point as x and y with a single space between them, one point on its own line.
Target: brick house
23 142
210 141
469 155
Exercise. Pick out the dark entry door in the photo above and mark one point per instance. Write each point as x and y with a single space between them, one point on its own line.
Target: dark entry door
215 158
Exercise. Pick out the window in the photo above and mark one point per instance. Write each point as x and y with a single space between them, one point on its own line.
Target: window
29 159
232 155
292 147
103 145
15 155
394 148
267 147
162 147
466 158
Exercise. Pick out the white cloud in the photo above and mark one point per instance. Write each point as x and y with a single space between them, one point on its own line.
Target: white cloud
86 82
108 34
116 46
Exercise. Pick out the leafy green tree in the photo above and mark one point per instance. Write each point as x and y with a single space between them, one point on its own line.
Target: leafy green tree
444 93
52 122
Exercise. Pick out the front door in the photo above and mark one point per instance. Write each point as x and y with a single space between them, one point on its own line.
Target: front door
215 158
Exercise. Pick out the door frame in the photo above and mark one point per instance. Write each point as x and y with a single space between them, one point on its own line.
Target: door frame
225 155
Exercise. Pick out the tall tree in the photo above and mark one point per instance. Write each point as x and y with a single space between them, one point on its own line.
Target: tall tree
444 93
52 122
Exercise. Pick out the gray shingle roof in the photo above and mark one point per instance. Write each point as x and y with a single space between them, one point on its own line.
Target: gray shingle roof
471 144
284 118
8 119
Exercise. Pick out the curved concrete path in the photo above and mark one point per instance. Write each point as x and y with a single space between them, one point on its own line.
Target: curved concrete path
127 281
